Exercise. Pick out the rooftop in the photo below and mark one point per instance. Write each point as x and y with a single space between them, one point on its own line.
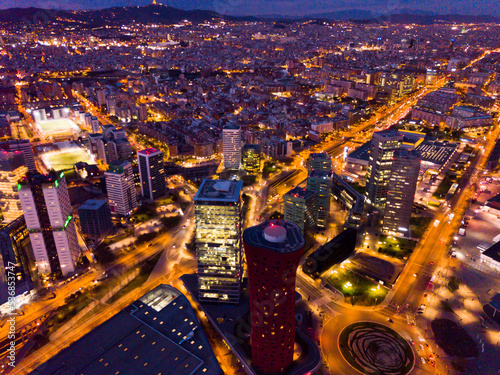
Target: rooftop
436 152
493 252
159 333
148 151
275 235
321 174
319 155
298 192
361 153
219 190
118 166
92 204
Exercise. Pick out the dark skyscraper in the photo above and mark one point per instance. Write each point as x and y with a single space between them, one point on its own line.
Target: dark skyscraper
152 172
273 250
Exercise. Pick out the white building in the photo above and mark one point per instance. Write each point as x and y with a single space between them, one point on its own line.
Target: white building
49 219
231 146
121 190
94 124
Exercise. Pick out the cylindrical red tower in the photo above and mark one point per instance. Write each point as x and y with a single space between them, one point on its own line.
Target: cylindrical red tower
273 250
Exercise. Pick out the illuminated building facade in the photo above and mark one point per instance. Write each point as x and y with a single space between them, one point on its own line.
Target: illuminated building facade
121 189
251 159
51 226
14 257
231 146
23 145
152 173
321 183
320 161
218 240
382 148
401 193
12 169
273 250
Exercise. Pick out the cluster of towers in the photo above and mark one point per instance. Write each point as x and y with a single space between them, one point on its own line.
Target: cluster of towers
273 250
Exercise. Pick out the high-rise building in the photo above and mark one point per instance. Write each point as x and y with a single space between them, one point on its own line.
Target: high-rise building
12 169
14 258
301 209
94 124
95 217
251 159
152 173
401 192
319 162
23 145
106 151
218 240
48 215
142 110
121 189
273 250
231 146
382 148
321 183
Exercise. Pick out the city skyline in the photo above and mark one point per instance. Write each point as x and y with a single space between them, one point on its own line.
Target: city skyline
234 195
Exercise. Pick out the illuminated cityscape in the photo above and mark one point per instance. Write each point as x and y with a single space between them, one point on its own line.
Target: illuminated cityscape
259 188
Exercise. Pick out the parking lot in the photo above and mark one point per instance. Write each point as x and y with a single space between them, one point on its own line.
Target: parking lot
482 227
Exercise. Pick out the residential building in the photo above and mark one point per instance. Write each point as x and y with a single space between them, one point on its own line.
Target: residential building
401 193
23 145
231 146
94 124
12 169
95 217
382 148
47 211
121 189
218 240
273 251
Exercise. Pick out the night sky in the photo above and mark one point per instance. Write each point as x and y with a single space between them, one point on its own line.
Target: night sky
283 7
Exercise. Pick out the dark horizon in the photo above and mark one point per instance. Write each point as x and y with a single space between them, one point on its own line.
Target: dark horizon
284 8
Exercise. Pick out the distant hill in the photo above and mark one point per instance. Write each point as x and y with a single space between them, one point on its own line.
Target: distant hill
149 14
165 15
403 16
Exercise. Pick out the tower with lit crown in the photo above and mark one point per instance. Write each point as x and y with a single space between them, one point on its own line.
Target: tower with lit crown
273 250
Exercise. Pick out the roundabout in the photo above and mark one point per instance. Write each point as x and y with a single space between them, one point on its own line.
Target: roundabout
374 349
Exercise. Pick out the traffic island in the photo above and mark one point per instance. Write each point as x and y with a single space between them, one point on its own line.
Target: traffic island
232 322
373 349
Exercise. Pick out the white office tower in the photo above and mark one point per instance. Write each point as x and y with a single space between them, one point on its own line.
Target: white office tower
121 189
217 212
12 169
51 226
231 146
152 173
94 124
